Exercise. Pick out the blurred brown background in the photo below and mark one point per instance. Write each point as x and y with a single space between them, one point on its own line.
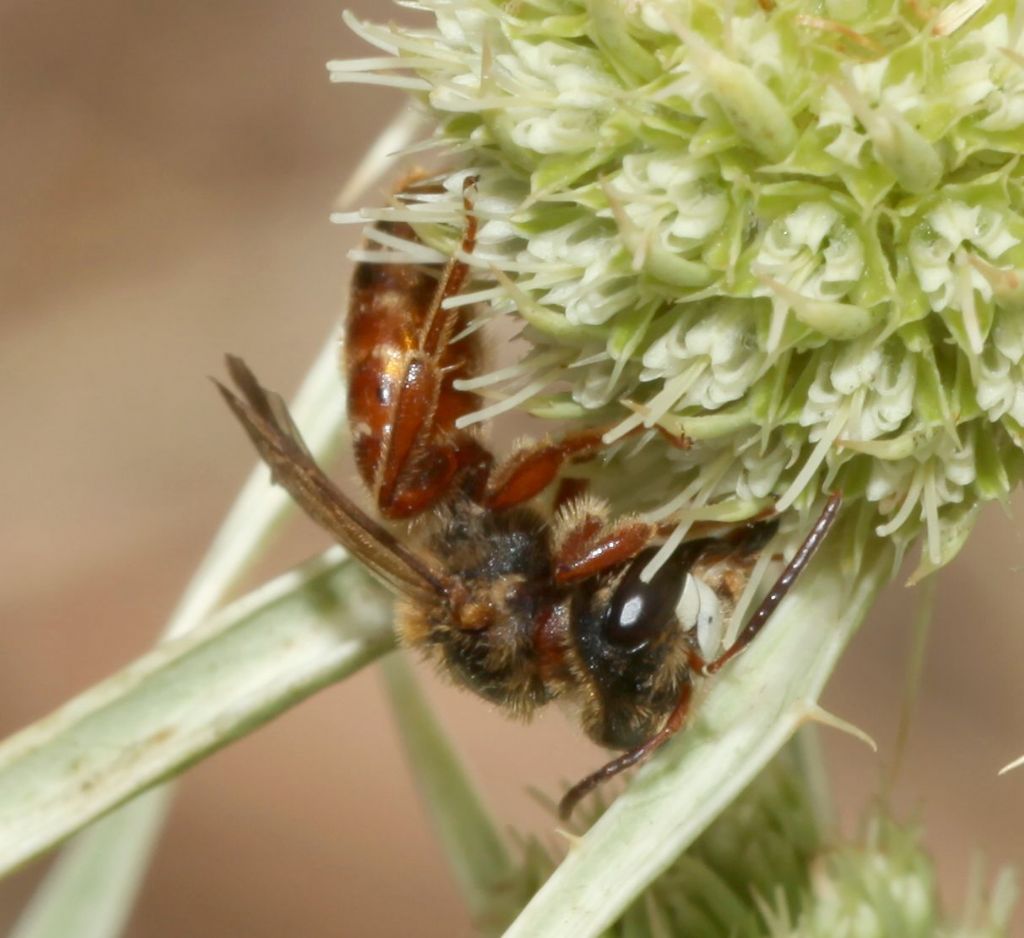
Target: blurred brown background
165 179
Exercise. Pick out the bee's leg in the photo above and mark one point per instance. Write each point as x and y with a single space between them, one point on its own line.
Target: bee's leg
782 585
673 724
586 543
437 325
589 545
530 470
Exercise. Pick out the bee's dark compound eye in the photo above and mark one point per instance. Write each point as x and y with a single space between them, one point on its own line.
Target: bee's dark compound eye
640 612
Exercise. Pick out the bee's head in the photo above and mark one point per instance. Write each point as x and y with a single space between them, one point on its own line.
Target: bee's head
635 640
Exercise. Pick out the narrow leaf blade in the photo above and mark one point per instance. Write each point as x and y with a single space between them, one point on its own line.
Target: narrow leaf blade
468 834
89 892
187 698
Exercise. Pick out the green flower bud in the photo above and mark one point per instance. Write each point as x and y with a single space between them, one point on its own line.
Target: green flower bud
766 868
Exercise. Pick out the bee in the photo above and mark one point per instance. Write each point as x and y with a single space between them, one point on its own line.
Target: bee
520 605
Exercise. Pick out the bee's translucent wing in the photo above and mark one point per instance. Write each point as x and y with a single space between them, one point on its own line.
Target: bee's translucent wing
266 419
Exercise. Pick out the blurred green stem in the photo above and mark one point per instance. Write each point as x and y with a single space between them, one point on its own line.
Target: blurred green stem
468 834
187 698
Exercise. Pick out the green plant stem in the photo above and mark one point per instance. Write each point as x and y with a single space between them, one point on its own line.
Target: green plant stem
86 895
915 668
810 759
187 698
750 711
469 836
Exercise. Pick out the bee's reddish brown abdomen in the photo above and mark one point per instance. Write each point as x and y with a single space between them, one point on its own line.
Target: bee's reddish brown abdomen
401 367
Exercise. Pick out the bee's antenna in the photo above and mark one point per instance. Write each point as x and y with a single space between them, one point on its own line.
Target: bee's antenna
783 584
642 753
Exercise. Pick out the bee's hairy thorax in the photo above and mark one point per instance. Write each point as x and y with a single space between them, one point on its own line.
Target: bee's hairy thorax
502 563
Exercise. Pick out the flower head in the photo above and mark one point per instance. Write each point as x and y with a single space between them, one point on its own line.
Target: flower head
792 231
